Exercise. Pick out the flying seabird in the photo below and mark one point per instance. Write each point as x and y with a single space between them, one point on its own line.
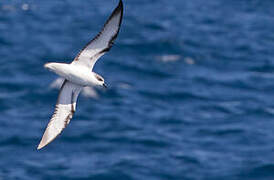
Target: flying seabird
78 74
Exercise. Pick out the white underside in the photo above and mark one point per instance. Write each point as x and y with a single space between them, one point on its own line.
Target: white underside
77 74
88 91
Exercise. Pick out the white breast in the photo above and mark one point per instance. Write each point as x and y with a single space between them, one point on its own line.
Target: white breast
77 74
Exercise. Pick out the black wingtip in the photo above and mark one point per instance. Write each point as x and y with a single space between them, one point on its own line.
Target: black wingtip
119 8
120 3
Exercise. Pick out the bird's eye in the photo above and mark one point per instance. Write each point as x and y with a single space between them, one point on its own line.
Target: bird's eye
99 78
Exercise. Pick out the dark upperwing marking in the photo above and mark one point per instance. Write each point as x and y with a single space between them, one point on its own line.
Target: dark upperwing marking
118 9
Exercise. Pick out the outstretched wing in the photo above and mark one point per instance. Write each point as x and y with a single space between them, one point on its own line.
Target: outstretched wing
103 41
64 110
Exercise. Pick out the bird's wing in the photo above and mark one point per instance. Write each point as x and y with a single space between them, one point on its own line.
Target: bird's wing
64 110
103 41
57 84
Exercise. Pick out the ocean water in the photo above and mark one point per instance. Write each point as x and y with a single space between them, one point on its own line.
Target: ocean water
190 92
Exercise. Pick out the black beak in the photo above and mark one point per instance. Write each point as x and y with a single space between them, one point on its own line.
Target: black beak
105 86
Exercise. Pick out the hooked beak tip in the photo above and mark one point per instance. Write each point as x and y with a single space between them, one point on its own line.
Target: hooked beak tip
105 86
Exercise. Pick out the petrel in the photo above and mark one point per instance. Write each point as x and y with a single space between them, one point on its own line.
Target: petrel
79 74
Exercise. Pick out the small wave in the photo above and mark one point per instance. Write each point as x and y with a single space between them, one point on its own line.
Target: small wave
221 132
265 172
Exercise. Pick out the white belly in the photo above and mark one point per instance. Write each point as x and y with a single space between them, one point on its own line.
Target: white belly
79 75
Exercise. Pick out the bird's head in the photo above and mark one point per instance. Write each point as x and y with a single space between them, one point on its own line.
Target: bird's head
100 80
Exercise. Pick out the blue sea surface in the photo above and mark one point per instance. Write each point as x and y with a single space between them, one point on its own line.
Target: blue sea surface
190 92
